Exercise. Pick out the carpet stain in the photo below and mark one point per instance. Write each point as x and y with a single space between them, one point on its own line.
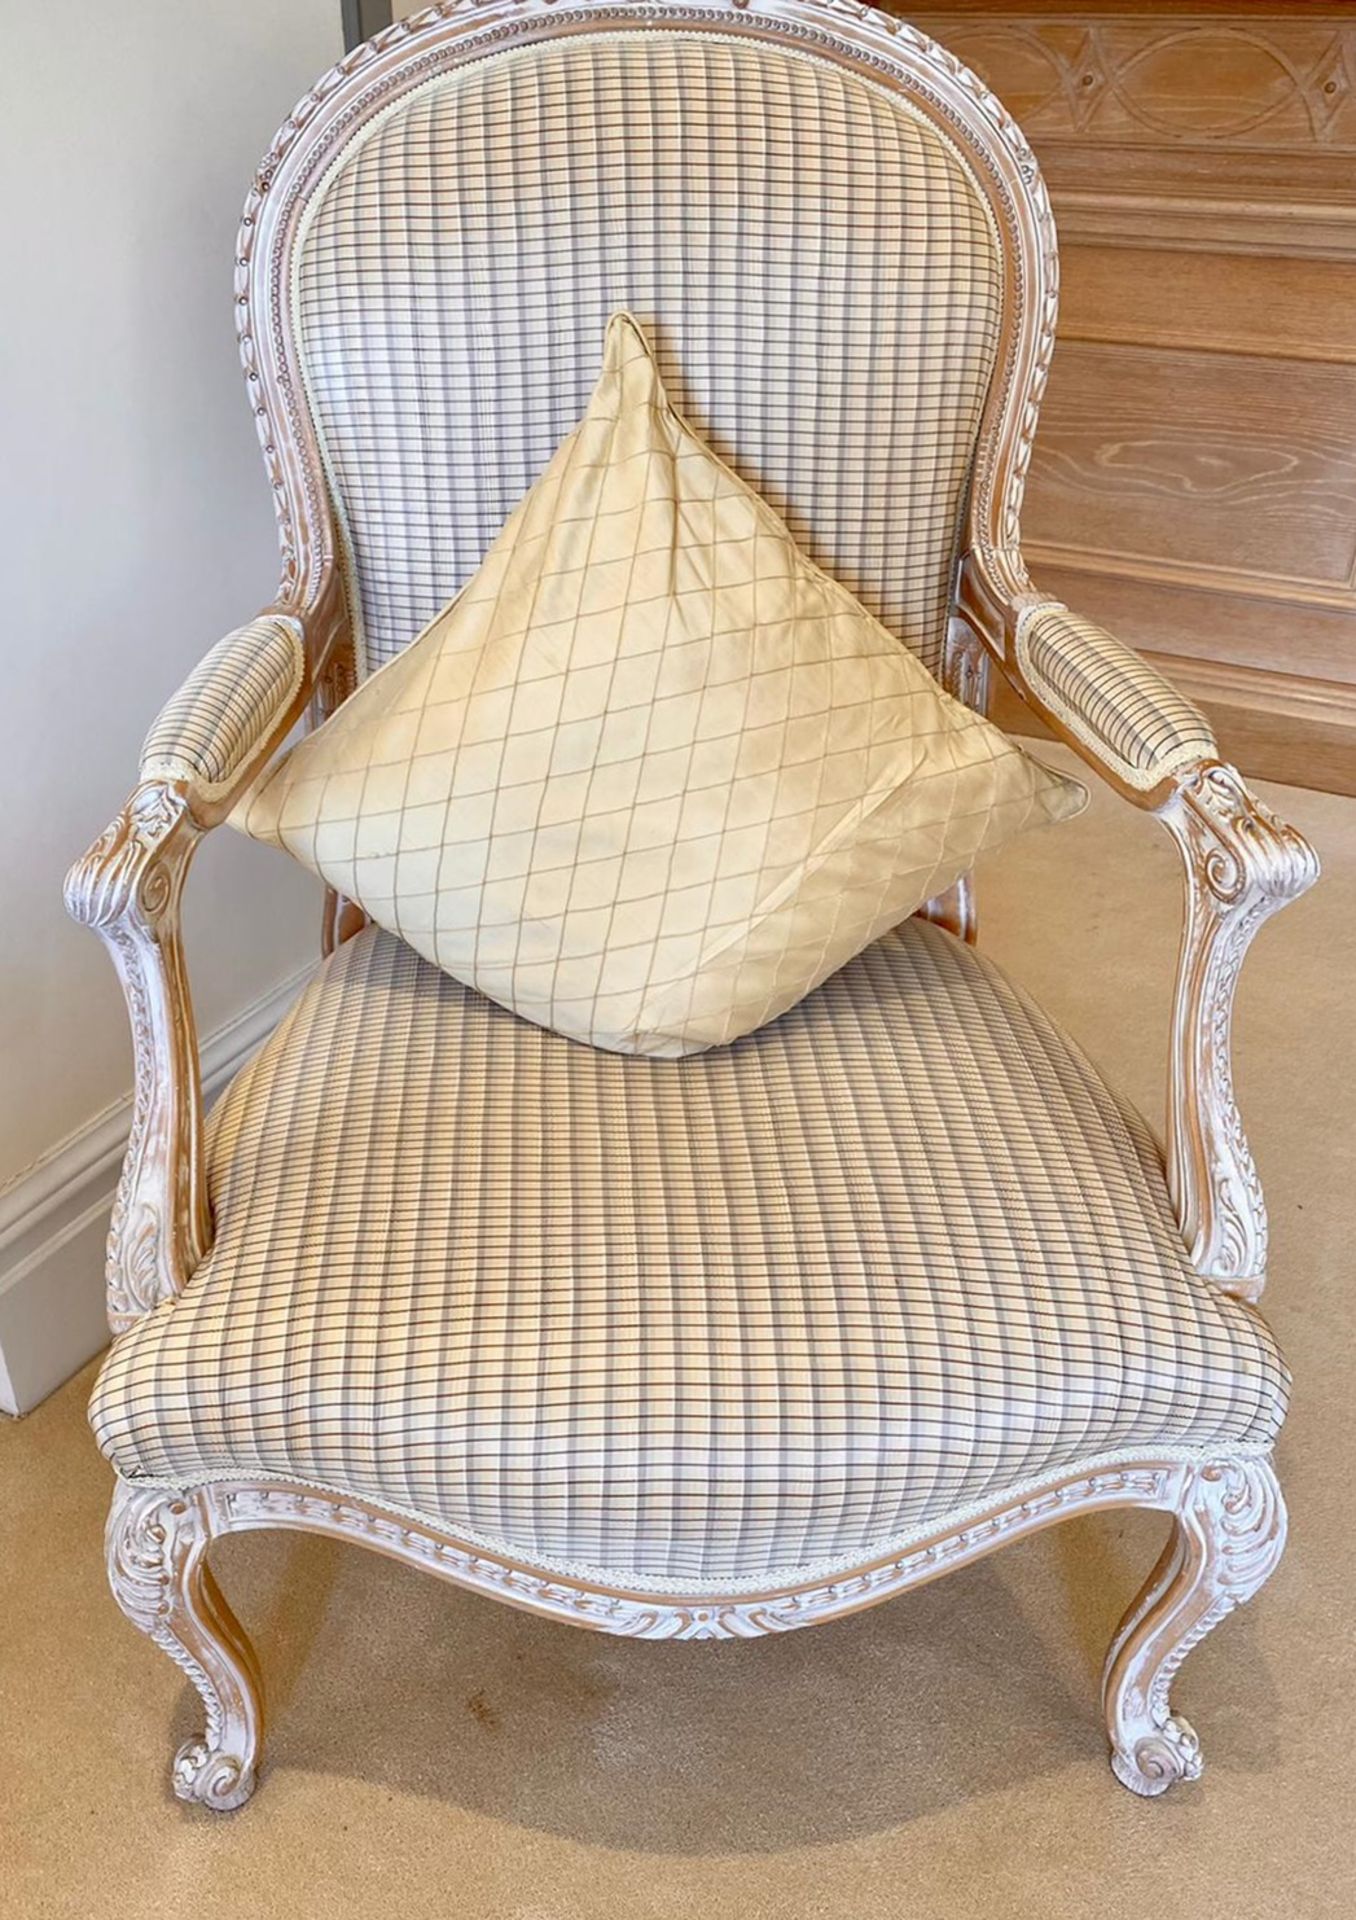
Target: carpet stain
483 1713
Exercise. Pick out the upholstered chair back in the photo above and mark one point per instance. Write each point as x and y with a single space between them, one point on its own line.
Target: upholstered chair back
811 246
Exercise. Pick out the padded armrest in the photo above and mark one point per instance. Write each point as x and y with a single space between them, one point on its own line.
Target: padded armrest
205 732
229 714
1109 698
1241 865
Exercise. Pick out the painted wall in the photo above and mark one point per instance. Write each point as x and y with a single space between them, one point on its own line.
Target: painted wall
137 525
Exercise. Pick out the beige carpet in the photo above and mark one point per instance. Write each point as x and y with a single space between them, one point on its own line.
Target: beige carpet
436 1754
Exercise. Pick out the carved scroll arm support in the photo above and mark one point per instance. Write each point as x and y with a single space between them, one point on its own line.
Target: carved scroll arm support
209 742
127 888
1241 865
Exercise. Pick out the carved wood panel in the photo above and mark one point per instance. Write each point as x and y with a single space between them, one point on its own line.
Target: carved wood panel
1286 81
1194 481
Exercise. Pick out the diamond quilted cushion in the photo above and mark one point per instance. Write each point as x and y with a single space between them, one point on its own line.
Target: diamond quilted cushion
652 775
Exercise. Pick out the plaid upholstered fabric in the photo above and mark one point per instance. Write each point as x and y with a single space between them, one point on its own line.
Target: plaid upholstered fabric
1110 698
815 265
227 704
715 1317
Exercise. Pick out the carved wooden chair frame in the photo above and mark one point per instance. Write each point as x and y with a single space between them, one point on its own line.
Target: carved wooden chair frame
1241 864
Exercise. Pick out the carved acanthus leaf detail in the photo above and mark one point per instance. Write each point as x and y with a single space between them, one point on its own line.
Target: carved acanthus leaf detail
150 1535
1229 1536
124 874
1242 865
128 888
241 1507
155 1545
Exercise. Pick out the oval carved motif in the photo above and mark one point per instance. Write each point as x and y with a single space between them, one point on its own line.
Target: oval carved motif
1032 75
1210 83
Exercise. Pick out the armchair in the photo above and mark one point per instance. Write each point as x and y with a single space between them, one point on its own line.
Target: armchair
734 1344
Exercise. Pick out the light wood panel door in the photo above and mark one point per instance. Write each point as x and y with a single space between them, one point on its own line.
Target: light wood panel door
1194 483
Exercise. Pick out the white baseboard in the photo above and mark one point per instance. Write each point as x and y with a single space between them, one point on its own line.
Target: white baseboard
54 1221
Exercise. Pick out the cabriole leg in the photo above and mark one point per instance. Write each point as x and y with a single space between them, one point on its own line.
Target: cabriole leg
1228 1535
156 1542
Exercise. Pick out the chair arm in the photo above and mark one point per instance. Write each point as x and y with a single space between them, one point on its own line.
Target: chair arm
127 888
1241 865
233 699
1116 711
211 739
1115 707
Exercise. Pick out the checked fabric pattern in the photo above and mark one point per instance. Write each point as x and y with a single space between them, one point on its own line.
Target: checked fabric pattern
1133 719
709 1319
204 731
814 263
652 775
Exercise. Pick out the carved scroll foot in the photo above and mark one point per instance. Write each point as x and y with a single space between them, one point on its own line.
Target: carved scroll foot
156 1543
1228 1537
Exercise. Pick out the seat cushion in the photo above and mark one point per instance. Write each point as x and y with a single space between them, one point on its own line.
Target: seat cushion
750 1312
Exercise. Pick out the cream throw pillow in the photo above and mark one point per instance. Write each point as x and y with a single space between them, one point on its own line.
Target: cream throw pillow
652 775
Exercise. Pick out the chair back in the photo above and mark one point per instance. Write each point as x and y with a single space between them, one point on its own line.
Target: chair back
832 233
